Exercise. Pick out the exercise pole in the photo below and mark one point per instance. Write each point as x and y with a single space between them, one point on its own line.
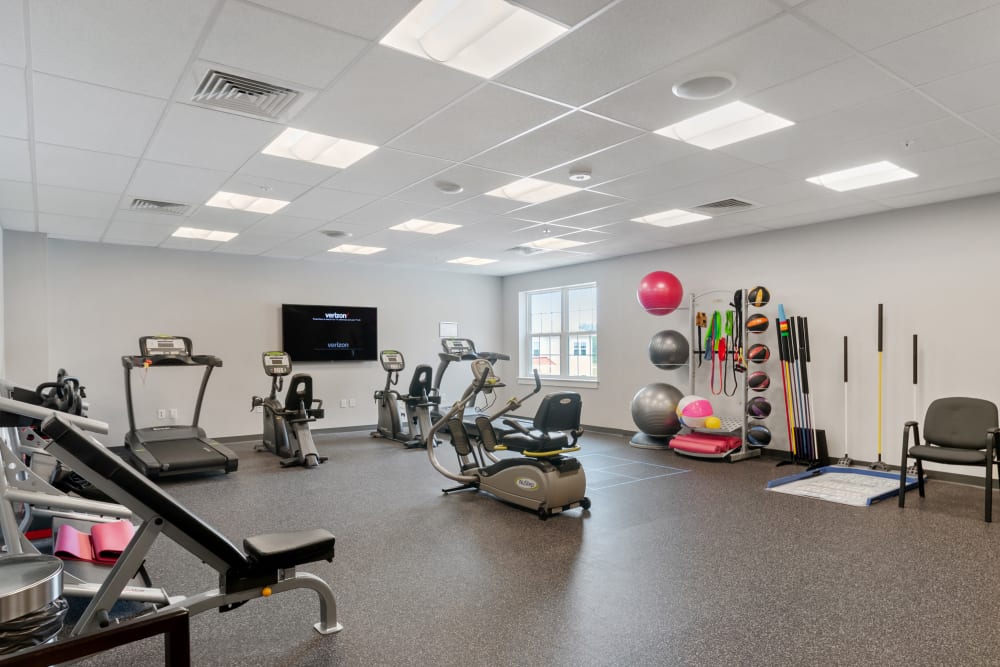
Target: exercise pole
878 465
846 460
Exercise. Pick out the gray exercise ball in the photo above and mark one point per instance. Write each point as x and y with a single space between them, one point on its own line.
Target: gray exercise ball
654 409
669 349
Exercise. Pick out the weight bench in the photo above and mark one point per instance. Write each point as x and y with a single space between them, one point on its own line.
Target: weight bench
265 566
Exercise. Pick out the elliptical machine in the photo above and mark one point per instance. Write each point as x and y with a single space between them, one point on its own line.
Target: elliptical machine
388 401
542 478
286 426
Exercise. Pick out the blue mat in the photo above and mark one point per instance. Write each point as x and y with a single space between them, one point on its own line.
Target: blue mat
859 487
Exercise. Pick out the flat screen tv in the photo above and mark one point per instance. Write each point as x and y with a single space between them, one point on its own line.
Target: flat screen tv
329 333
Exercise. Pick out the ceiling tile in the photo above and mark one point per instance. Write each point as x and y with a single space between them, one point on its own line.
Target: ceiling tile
138 234
567 12
247 245
176 243
383 213
175 183
947 49
629 41
83 170
639 154
733 185
988 119
284 226
560 141
483 204
975 189
13 105
128 216
385 171
17 195
372 23
92 117
257 186
775 52
302 247
867 24
385 93
150 47
480 120
683 171
77 203
12 33
209 139
826 214
324 204
71 226
15 162
223 219
259 40
21 221
289 171
967 90
564 207
474 181
841 85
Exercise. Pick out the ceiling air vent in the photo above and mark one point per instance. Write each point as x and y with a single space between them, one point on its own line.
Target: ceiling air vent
230 92
725 206
153 206
525 250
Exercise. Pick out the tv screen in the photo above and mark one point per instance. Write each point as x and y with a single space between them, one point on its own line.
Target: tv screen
329 333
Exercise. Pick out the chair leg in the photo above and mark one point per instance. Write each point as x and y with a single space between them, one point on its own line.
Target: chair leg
989 491
920 477
902 480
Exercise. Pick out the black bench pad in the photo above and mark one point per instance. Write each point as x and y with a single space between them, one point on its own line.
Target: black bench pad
283 550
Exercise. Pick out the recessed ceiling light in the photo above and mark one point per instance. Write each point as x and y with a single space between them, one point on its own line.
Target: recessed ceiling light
203 234
533 191
704 86
246 202
424 226
317 148
356 249
671 218
724 125
864 176
579 174
336 233
554 243
448 187
471 261
481 37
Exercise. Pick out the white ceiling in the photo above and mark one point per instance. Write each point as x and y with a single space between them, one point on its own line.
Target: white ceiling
96 111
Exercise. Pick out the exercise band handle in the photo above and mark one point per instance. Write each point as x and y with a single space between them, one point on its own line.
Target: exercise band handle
880 327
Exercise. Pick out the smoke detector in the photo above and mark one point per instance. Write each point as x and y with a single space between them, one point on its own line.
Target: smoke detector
579 174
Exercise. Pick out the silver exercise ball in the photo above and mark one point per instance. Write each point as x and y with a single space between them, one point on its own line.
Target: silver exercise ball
654 409
669 349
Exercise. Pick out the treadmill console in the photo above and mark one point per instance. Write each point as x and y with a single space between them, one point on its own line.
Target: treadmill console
160 346
460 347
392 361
277 363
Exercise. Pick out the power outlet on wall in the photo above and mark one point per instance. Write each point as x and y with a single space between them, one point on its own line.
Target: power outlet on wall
352 402
161 413
343 402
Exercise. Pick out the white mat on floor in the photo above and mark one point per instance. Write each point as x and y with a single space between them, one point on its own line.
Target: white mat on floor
859 487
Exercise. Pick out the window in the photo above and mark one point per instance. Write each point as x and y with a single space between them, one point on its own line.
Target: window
559 329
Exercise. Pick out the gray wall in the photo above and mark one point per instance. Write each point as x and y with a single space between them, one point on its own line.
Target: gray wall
934 268
82 306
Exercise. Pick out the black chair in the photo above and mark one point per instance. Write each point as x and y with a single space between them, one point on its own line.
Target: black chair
957 431
556 420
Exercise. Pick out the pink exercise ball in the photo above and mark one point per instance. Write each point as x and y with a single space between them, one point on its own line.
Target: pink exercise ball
660 292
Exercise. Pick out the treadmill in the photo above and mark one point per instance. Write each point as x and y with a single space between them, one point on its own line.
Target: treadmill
173 449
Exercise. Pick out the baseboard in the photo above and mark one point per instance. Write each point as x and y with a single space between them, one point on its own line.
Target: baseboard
256 437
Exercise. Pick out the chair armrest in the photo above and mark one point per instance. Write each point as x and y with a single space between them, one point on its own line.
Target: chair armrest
519 427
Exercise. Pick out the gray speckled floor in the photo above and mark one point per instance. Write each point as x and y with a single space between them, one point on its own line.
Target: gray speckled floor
683 561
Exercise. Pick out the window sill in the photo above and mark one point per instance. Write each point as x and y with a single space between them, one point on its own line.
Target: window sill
578 383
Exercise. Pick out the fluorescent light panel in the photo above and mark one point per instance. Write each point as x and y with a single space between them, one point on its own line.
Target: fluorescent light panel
249 203
471 261
533 191
864 176
322 149
724 125
481 37
203 234
356 249
554 243
424 226
671 218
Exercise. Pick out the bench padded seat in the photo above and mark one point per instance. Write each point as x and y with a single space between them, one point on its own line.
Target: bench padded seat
284 550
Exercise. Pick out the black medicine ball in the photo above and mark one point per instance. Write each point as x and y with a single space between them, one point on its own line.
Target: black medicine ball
758 353
759 381
758 296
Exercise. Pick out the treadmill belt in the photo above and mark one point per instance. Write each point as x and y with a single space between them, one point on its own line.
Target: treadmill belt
187 454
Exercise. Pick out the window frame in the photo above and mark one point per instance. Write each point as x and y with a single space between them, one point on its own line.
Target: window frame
564 335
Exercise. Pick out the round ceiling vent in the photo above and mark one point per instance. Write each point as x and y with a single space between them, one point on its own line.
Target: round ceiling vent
336 233
704 86
448 187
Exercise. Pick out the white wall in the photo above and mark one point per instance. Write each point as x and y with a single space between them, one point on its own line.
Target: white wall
102 298
934 267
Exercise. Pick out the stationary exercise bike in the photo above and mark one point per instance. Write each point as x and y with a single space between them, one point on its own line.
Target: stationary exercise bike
390 419
286 426
542 479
